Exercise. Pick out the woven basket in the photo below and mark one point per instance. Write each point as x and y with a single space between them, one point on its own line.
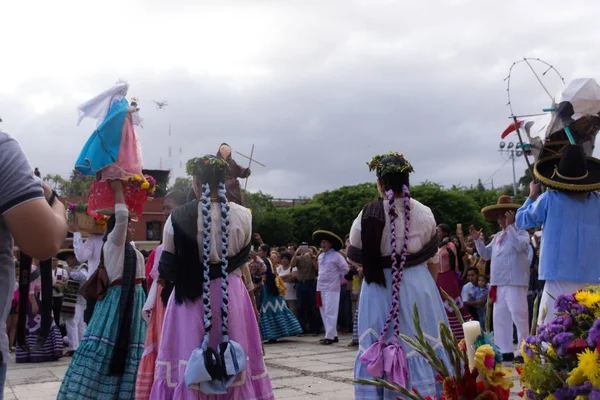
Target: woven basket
87 223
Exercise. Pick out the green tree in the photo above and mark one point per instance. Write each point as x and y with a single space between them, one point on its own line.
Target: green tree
258 202
182 183
78 184
275 227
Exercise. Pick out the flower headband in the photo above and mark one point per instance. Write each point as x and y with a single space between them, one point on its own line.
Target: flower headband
196 165
389 168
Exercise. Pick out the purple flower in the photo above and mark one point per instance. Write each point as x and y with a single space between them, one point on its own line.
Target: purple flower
594 334
577 309
561 342
532 340
530 394
594 395
72 207
563 302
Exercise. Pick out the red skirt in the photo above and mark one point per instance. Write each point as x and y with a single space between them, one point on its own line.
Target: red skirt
447 282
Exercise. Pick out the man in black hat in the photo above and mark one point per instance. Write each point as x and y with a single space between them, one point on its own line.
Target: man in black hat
570 216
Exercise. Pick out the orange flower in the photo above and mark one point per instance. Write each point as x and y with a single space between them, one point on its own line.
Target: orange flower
450 389
206 162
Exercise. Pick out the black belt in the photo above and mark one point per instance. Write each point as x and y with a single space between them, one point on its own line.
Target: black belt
306 281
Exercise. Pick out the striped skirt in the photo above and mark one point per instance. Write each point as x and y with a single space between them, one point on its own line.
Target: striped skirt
51 350
448 282
276 319
88 375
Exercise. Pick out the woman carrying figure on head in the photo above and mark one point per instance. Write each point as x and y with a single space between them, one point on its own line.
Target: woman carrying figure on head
106 361
210 346
395 241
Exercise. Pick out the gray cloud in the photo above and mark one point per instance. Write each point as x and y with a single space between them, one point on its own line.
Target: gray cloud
338 83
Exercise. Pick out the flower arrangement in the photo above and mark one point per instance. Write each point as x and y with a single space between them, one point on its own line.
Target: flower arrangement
562 360
381 170
487 379
84 219
142 182
195 165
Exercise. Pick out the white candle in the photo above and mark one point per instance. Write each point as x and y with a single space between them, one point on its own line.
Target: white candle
472 331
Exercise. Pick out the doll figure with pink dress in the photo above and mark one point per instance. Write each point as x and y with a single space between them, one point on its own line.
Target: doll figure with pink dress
113 151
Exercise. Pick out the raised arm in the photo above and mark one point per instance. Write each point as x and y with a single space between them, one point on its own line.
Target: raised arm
118 236
83 250
533 213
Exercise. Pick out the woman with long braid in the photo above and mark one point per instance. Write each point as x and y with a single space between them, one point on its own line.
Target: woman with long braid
210 346
395 241
106 362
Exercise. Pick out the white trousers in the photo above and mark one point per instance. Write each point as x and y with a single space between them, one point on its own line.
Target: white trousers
76 327
556 288
329 313
510 308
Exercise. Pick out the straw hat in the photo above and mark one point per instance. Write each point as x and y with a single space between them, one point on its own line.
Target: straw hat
505 203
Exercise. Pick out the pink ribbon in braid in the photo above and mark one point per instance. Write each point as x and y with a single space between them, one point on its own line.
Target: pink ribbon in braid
388 360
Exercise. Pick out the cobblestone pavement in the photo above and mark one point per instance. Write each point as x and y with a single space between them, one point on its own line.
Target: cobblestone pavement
299 368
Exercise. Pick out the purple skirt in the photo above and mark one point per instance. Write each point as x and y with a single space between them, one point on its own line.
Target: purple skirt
52 348
183 331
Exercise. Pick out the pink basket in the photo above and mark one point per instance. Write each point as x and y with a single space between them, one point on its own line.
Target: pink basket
102 199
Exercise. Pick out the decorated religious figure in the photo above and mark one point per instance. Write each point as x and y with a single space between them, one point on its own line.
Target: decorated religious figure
234 171
113 150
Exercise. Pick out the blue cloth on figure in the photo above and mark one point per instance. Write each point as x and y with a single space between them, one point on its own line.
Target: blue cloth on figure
570 246
102 148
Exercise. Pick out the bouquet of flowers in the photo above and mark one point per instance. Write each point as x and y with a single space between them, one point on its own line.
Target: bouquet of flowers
486 379
561 361
142 182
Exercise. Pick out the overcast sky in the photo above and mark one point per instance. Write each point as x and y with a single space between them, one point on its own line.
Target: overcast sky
319 86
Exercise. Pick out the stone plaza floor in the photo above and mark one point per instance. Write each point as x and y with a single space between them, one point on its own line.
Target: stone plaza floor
300 369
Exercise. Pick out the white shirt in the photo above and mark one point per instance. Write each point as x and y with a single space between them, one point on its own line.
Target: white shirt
59 275
509 251
240 231
422 229
114 248
469 288
88 251
80 274
290 291
332 266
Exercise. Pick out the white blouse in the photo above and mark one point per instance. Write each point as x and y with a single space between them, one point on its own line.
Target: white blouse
114 248
422 229
240 231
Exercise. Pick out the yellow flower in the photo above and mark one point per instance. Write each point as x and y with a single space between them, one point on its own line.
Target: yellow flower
145 185
137 178
581 398
499 377
550 397
576 377
588 299
588 363
484 359
551 351
526 358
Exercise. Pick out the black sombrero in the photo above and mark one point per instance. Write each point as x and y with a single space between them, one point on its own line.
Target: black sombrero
570 172
63 253
336 242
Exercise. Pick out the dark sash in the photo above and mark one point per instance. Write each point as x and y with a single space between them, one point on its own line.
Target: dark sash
372 225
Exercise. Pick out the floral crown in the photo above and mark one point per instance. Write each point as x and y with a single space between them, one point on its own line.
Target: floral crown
388 168
198 164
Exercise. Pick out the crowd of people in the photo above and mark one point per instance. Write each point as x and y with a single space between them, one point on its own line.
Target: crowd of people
189 320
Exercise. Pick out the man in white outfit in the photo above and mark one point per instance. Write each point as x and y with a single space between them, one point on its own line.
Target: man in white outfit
332 267
87 252
509 252
74 322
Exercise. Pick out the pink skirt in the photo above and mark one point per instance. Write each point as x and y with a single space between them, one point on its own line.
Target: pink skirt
129 159
145 376
183 331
